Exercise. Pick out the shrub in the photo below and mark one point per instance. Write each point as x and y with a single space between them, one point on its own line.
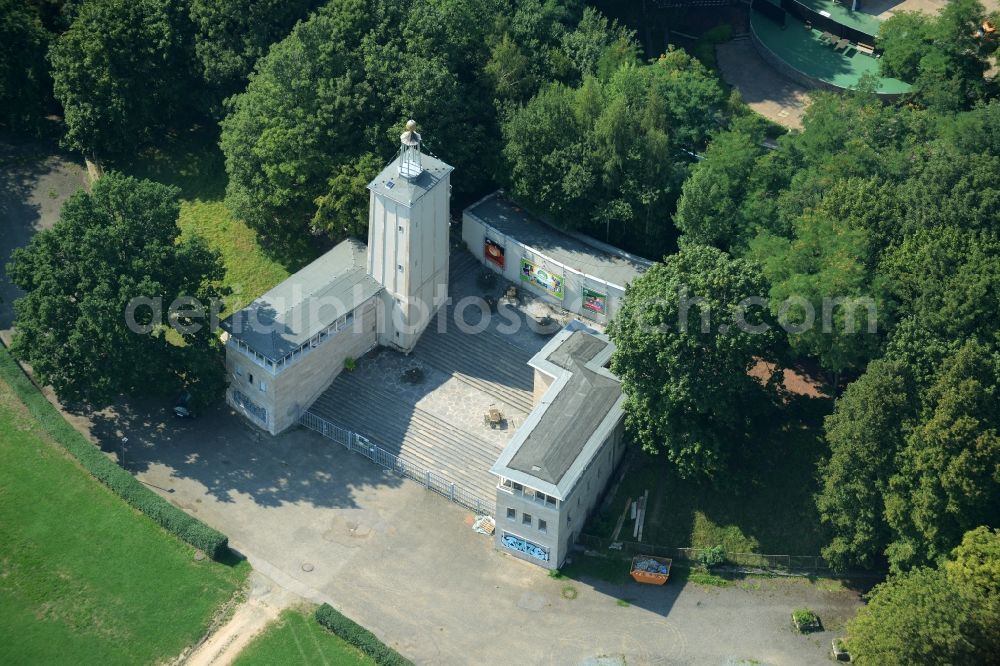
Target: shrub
805 620
120 482
712 557
359 637
350 363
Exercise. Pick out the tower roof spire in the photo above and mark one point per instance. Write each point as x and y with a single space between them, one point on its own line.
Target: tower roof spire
409 152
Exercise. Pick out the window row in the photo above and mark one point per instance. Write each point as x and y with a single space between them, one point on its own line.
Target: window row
527 519
530 493
304 348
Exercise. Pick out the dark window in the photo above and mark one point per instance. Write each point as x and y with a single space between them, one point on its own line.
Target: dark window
525 518
511 514
542 526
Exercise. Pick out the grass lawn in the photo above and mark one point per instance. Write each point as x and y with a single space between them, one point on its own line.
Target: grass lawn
85 579
768 508
249 272
195 164
296 638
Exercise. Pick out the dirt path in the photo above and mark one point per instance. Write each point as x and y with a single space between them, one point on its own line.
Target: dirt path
264 604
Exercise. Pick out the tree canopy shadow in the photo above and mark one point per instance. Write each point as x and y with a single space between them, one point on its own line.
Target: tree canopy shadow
232 459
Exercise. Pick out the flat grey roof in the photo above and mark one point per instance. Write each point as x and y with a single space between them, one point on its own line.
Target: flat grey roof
576 251
579 410
307 302
404 191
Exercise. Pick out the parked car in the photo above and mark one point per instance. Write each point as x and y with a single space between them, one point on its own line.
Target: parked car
182 408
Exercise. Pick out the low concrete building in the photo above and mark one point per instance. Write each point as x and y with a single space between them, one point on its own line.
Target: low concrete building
555 469
286 347
574 272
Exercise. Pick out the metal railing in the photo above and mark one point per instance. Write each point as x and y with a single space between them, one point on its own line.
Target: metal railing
751 561
443 486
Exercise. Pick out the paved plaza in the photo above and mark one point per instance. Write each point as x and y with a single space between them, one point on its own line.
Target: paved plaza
428 406
405 563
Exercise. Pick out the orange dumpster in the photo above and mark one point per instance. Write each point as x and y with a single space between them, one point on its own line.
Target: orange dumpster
651 570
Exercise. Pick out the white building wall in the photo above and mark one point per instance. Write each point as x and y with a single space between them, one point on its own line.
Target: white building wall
564 522
287 393
474 234
409 256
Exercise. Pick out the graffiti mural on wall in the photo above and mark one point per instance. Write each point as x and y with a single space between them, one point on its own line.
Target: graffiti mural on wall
493 252
524 546
550 282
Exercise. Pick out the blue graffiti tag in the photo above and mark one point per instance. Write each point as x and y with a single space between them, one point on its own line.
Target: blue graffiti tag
526 547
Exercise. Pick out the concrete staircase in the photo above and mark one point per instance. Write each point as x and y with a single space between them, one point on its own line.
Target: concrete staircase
411 433
483 360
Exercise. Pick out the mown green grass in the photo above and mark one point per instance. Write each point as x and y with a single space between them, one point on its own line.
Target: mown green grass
766 508
194 163
296 638
83 577
249 272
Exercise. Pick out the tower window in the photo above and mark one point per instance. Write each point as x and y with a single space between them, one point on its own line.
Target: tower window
400 267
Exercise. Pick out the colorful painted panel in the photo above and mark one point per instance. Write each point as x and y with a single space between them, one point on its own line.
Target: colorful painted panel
493 252
595 301
550 282
520 545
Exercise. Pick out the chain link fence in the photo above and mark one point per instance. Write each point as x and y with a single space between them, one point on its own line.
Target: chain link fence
785 564
443 486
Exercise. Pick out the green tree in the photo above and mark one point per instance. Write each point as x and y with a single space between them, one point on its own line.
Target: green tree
947 279
25 85
947 615
340 87
232 35
708 212
864 433
822 290
942 55
305 111
948 478
683 358
343 211
597 44
110 246
123 73
606 158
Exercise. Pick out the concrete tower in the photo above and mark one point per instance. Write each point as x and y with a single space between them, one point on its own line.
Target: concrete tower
408 240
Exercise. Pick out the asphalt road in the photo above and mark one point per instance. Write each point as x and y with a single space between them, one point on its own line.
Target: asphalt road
35 180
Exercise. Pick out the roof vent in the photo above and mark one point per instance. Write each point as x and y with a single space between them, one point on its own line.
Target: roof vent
409 152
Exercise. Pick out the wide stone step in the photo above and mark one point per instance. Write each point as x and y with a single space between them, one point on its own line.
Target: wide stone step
360 399
420 437
489 364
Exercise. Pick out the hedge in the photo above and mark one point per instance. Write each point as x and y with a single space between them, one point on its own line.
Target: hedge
359 637
190 529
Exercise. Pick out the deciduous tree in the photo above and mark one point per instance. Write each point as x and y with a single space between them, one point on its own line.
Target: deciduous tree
124 74
25 85
945 615
108 247
683 357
